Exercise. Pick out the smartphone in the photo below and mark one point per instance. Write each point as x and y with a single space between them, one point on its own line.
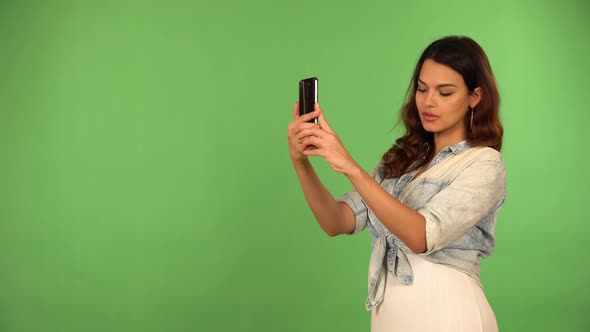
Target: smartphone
308 96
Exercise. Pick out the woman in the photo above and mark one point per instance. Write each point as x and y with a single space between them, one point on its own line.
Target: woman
431 203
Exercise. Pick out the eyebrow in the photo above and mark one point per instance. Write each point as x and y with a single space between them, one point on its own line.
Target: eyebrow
440 85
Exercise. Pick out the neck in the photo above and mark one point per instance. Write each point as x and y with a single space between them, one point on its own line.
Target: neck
441 141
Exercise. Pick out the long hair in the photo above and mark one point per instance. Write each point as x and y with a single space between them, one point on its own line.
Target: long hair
416 146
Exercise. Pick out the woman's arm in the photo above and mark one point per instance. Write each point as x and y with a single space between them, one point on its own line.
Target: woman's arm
335 218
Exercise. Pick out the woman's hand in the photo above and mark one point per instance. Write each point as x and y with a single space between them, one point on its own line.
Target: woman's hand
296 145
321 140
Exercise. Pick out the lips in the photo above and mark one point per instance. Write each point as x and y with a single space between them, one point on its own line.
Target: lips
429 116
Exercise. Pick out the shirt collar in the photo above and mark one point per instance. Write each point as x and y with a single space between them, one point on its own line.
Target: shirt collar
458 147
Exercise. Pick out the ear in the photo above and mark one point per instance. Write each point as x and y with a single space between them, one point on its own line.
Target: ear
475 97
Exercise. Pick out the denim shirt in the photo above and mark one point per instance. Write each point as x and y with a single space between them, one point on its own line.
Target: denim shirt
459 196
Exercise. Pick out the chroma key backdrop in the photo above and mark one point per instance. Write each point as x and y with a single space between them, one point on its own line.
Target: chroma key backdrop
145 182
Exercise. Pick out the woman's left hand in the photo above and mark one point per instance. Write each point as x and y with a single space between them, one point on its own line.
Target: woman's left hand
322 141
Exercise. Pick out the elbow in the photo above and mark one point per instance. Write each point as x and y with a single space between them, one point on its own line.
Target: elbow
335 231
418 247
331 232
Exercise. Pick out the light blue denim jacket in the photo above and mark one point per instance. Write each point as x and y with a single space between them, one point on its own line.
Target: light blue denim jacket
459 195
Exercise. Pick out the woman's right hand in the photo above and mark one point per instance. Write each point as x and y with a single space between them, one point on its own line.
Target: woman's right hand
296 146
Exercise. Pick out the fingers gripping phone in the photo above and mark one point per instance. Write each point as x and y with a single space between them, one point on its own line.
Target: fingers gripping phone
308 96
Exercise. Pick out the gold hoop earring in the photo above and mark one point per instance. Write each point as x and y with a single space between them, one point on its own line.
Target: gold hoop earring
471 121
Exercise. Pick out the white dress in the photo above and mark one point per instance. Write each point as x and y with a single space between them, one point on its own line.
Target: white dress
440 299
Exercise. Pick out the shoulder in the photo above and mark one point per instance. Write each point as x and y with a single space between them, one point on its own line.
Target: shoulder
485 155
487 163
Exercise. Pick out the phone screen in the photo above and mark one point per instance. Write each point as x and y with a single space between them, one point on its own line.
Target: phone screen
308 96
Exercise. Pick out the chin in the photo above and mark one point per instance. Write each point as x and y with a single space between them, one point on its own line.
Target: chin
429 128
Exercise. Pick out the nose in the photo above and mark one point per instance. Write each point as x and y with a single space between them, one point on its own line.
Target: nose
429 100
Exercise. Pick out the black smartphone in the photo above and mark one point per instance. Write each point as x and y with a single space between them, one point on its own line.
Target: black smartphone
308 96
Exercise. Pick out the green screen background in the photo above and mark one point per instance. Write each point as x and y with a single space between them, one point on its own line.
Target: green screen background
145 179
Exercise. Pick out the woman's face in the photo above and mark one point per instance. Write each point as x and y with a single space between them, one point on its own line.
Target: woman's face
443 100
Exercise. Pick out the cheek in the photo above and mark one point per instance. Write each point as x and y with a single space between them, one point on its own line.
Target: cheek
460 101
457 105
419 100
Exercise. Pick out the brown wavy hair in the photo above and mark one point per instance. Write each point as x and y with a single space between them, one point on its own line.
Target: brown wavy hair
416 146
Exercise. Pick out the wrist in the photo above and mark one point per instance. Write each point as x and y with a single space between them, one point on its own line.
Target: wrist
300 163
354 172
297 158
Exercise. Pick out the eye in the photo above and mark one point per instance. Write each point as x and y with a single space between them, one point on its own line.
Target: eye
421 90
446 94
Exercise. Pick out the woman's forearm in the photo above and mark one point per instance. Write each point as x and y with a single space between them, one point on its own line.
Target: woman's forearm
334 218
405 223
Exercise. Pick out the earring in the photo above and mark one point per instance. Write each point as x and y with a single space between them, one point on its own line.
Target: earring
471 121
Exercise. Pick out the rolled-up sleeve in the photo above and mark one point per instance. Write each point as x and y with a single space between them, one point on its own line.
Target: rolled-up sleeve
359 208
356 203
475 193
